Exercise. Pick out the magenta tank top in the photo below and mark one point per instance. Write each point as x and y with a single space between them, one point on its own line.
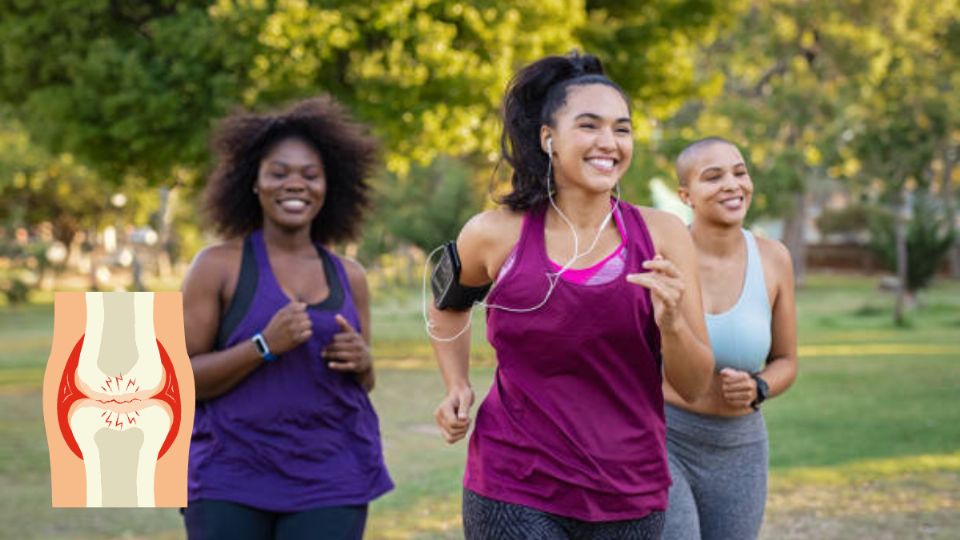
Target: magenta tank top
573 424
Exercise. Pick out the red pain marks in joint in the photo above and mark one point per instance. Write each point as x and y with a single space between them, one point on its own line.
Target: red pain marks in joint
122 399
115 418
118 381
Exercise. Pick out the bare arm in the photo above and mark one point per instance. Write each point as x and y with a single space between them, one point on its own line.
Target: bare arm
738 387
781 368
215 372
483 245
674 283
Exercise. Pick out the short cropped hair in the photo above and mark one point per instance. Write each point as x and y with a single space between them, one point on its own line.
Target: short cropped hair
685 158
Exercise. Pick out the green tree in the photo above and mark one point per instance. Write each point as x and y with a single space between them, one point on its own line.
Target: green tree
904 122
37 187
783 66
424 208
133 87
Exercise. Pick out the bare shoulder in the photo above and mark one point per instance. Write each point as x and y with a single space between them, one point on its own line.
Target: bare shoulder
355 271
492 227
485 242
667 230
775 254
214 262
777 264
661 219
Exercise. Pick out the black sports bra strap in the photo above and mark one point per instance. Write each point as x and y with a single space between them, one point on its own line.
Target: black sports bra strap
242 295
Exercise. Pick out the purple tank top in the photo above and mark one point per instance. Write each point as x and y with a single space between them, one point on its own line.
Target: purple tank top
573 424
293 435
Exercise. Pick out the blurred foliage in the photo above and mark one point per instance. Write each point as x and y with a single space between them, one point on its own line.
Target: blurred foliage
130 92
38 187
851 219
114 95
134 86
424 208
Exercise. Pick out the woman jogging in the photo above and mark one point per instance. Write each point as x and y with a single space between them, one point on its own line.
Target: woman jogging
592 299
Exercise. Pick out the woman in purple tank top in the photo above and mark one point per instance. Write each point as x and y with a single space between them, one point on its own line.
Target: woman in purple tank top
570 441
285 442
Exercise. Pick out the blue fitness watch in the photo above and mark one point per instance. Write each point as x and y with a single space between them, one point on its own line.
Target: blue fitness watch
262 348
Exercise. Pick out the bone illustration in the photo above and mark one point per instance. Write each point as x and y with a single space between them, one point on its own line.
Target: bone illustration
118 402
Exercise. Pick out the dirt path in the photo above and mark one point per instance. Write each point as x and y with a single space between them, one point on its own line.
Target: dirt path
922 504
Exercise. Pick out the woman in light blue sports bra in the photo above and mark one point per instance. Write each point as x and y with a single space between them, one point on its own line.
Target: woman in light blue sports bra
717 445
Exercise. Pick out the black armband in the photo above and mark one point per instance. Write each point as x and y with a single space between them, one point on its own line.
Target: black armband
445 282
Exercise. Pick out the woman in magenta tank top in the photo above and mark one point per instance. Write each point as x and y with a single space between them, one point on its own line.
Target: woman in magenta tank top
570 441
285 441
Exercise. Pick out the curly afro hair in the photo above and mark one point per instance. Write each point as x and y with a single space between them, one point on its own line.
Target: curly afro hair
241 141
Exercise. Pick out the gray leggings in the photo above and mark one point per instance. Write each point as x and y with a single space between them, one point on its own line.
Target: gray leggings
719 471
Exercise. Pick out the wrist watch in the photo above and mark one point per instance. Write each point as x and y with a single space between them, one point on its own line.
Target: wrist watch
262 348
763 391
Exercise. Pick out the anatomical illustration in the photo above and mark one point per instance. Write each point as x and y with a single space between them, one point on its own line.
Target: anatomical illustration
118 400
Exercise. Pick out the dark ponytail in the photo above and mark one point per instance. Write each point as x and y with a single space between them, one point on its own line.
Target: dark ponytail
534 95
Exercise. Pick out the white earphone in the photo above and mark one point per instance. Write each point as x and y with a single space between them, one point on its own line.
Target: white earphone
550 145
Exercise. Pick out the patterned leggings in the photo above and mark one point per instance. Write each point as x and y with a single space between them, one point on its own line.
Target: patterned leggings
488 519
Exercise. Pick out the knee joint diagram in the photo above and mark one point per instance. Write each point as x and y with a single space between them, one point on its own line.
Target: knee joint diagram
120 400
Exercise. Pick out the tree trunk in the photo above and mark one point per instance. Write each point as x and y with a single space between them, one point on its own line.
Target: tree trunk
899 313
137 272
946 188
168 203
794 236
94 282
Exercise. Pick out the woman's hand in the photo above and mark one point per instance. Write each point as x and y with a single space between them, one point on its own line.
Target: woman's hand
666 290
289 327
738 387
453 413
348 351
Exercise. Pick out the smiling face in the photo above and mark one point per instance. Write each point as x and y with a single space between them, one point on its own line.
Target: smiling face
716 184
291 185
592 138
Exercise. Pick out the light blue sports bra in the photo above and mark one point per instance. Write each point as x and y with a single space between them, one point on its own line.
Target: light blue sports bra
740 337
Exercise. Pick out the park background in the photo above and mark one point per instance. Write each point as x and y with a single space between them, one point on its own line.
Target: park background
847 111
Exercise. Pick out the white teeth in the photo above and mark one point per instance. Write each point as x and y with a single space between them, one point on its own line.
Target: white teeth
601 163
293 204
732 203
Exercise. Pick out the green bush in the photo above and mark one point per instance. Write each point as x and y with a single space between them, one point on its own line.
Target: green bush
15 290
929 237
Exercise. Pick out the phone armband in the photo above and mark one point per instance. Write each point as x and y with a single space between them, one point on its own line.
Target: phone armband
448 293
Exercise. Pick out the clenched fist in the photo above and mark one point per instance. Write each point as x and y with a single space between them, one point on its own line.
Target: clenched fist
288 328
453 413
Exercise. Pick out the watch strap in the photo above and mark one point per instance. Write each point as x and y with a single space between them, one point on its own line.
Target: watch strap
763 391
261 344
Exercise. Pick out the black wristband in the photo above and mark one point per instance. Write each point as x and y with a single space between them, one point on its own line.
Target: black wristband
763 391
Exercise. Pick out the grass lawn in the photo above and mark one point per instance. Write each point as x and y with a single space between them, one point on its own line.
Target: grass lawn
866 444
